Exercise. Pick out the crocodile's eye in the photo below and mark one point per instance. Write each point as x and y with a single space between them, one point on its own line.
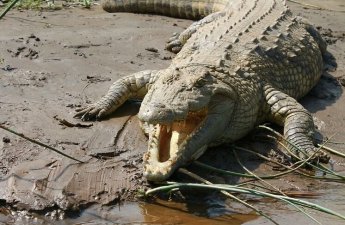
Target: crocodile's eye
171 78
200 82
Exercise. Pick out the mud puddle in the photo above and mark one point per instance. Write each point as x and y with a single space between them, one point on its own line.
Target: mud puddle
136 213
53 62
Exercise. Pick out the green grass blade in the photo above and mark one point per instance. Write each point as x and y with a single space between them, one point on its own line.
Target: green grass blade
235 189
8 8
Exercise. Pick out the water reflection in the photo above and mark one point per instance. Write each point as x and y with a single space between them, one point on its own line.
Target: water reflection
159 212
165 212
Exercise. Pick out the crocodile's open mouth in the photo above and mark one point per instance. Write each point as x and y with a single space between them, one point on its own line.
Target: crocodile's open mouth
170 137
167 143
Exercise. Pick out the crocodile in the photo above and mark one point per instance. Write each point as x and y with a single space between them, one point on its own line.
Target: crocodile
243 63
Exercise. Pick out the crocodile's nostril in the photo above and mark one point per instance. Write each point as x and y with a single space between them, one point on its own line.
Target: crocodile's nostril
156 113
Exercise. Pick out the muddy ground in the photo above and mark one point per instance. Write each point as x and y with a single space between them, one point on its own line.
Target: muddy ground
52 62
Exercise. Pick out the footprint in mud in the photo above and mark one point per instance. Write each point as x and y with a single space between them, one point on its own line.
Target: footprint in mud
331 36
27 50
96 79
8 68
79 53
22 78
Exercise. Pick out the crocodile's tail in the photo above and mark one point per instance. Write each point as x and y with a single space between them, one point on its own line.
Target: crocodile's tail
189 9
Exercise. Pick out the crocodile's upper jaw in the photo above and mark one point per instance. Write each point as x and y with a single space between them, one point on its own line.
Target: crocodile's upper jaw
170 145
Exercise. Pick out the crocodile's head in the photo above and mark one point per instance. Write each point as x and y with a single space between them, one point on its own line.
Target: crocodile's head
186 112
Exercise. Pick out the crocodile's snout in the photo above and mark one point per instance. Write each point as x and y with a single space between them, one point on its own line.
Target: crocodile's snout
156 113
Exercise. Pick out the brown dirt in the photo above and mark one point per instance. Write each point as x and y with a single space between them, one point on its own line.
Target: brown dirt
53 62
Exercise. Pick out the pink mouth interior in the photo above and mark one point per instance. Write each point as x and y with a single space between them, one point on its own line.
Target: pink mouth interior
173 135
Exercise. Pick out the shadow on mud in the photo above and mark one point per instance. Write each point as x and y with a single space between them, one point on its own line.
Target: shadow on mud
325 93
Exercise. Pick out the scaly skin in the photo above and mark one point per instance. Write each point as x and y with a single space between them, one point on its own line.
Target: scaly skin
244 63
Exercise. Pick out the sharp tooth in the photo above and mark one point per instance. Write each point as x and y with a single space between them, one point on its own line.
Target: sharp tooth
174 143
157 130
168 128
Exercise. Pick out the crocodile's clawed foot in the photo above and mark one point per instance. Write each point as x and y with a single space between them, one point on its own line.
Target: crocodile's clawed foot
174 44
321 157
90 112
315 156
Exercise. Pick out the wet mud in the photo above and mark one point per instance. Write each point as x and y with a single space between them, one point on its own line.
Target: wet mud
53 62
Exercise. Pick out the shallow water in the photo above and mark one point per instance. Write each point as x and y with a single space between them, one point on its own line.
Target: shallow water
212 211
141 213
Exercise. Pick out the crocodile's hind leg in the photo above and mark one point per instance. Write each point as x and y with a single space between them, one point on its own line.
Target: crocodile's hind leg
177 41
132 86
298 124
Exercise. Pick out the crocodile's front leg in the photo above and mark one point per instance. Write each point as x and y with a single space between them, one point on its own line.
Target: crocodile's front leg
298 124
132 86
177 41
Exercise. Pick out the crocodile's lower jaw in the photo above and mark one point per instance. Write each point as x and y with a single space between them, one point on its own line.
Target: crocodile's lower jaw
167 146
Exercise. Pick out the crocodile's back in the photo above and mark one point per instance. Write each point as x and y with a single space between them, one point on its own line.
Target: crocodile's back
261 40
